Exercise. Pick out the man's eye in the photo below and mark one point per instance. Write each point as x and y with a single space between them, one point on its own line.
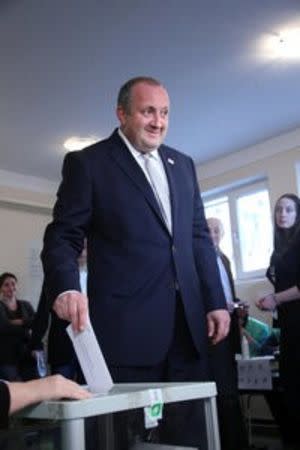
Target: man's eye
146 112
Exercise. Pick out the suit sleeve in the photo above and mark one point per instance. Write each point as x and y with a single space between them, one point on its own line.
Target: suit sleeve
40 323
5 404
205 256
63 240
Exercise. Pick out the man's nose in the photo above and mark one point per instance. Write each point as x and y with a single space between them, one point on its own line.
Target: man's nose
157 119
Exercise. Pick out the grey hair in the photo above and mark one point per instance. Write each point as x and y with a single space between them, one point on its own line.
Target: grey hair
124 96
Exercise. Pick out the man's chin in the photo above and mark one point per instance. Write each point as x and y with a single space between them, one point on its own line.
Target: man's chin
152 144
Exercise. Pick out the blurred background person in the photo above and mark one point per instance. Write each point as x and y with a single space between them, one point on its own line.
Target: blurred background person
233 432
16 318
284 272
286 227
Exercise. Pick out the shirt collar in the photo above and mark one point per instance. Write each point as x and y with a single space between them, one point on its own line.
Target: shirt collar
133 150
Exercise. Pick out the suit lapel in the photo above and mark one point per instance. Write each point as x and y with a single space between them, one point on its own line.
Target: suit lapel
170 167
128 164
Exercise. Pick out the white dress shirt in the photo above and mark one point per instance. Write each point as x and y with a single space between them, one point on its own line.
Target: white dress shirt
164 193
225 280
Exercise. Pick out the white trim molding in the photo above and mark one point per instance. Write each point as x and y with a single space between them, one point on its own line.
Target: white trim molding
240 158
30 183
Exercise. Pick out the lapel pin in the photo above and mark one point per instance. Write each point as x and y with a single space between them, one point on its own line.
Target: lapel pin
171 161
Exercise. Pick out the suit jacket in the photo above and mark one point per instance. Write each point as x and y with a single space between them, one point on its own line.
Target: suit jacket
134 264
234 332
59 346
5 403
223 364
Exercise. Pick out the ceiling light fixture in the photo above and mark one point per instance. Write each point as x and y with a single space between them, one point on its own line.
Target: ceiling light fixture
283 45
78 143
289 44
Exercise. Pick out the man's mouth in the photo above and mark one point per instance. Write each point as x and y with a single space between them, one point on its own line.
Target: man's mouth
154 132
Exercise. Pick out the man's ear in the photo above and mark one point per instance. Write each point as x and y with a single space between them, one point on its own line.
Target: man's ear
121 115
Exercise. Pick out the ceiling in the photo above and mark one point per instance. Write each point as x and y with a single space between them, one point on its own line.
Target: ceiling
63 61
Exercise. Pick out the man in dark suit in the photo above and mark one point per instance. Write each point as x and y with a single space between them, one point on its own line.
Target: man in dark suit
154 292
222 356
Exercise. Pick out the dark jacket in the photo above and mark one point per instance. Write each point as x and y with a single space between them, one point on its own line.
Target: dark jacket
14 339
134 263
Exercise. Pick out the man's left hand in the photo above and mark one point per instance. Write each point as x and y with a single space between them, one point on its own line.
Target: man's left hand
218 322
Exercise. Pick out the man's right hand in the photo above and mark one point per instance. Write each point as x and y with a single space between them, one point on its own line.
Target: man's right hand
72 306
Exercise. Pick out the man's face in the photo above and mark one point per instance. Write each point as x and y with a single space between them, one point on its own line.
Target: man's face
146 123
215 230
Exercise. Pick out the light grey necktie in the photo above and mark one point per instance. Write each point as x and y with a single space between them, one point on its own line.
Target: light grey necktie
160 188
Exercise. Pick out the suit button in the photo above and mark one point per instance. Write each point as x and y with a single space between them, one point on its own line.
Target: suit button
174 249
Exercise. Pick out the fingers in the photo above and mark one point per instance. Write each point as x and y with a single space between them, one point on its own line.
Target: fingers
222 329
72 306
56 387
69 389
218 323
210 327
82 314
266 303
259 303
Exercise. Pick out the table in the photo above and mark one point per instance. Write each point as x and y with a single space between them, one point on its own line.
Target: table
120 398
258 376
256 373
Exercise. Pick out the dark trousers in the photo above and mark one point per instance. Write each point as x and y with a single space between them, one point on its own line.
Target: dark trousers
70 370
233 433
183 423
23 371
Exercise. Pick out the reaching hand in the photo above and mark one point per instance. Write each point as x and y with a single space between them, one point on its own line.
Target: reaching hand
72 306
267 303
48 388
56 386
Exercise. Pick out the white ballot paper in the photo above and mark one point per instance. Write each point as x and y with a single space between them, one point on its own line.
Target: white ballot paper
91 359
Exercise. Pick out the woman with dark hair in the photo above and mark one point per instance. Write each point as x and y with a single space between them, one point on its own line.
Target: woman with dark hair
284 273
16 318
286 228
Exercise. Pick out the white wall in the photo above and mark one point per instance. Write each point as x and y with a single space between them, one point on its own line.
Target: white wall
277 159
25 210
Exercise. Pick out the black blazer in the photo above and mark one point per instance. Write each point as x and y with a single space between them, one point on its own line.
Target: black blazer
134 264
59 346
234 332
4 404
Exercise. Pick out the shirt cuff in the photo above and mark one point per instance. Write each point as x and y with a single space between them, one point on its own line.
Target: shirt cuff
70 291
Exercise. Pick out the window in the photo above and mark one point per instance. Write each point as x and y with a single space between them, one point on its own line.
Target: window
297 169
246 217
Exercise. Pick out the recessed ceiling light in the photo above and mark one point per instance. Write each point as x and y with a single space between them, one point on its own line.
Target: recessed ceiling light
78 143
284 45
289 44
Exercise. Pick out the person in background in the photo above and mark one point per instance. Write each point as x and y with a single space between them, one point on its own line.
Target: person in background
285 273
16 318
60 352
17 395
222 356
151 263
286 227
